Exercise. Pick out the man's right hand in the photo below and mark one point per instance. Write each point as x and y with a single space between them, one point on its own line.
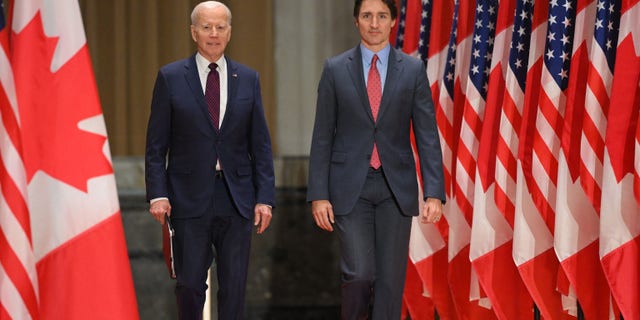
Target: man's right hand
323 214
159 208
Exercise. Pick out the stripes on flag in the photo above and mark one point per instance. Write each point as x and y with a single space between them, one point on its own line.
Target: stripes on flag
545 143
580 165
18 276
492 230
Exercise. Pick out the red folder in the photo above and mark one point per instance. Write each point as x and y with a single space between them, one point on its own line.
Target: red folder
167 246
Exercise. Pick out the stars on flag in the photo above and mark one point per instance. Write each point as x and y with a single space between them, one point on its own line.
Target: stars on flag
521 36
559 43
483 39
450 67
425 26
607 26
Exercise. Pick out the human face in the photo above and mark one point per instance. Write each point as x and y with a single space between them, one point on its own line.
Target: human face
211 32
374 23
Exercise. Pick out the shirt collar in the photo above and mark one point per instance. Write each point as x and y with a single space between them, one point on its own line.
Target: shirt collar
203 63
367 55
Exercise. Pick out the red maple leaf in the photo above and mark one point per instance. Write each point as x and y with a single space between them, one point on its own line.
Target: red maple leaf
51 106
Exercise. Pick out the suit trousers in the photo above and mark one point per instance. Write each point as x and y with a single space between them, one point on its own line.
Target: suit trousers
222 228
374 239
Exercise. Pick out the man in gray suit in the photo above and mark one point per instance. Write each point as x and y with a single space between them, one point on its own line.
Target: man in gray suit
362 175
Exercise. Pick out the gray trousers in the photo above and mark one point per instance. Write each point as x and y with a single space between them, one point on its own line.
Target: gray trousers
374 239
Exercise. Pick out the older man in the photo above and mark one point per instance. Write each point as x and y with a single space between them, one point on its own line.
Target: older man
209 164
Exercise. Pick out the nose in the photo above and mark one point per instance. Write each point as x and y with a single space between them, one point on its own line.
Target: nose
375 21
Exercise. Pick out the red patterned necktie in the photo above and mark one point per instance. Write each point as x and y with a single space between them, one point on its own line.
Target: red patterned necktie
212 95
374 90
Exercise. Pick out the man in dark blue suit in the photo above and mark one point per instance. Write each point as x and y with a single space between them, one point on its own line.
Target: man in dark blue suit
209 164
362 173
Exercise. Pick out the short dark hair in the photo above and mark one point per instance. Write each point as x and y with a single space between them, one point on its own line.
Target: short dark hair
390 3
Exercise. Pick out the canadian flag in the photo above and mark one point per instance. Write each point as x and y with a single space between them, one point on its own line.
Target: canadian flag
620 208
62 249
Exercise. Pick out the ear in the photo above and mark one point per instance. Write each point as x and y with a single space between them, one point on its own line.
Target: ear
192 28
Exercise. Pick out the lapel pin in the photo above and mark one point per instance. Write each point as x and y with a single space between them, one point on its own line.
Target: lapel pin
235 75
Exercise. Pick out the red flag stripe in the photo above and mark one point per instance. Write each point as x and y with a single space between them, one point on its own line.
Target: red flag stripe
16 252
17 274
636 173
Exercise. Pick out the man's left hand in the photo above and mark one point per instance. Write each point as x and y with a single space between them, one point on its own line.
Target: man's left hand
431 211
262 217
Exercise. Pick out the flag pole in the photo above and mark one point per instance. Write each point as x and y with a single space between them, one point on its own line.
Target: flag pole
206 313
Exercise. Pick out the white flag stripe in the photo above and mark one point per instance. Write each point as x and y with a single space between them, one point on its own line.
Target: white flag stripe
543 181
531 235
468 138
18 241
504 181
10 298
7 82
507 132
12 161
590 160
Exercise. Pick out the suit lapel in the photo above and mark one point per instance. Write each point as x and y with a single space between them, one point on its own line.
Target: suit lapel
193 80
354 66
394 70
232 90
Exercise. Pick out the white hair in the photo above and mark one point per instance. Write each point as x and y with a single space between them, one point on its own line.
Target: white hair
209 4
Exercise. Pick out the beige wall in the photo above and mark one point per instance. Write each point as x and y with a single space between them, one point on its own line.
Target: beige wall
130 40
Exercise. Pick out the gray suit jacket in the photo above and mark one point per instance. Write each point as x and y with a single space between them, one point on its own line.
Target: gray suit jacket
344 133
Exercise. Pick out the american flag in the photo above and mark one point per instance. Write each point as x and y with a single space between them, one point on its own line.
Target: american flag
492 229
457 84
18 276
533 240
475 90
425 28
555 126
427 250
580 160
402 22
545 142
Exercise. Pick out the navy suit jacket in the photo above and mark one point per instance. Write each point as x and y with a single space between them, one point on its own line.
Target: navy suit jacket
183 147
344 133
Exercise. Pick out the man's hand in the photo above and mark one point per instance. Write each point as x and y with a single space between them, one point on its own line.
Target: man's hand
159 208
431 211
262 217
323 214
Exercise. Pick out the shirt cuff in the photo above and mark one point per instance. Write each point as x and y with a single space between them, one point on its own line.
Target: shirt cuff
157 199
